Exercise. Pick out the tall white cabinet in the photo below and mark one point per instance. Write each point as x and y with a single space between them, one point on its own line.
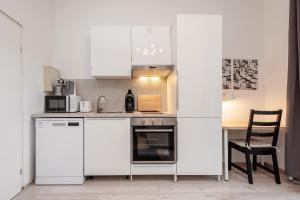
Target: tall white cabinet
199 65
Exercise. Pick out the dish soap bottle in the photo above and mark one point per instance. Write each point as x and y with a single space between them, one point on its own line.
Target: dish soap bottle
129 102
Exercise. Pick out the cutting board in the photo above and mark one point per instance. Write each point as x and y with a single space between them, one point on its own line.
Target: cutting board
51 75
148 103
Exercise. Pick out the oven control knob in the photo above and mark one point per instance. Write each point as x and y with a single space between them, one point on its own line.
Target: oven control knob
143 122
162 123
152 122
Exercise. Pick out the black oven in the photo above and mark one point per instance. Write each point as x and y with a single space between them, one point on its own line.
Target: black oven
56 104
153 140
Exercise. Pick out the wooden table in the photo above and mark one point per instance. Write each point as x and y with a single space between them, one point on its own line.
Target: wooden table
226 126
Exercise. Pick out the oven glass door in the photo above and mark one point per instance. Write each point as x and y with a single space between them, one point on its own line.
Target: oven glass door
153 144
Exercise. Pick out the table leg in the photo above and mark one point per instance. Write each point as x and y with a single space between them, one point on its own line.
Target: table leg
225 144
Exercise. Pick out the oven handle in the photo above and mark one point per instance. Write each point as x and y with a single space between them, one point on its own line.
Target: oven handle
153 130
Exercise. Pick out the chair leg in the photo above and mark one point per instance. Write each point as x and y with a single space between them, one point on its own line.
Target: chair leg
249 167
275 166
229 156
254 162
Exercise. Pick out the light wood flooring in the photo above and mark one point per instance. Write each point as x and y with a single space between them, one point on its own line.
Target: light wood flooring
162 187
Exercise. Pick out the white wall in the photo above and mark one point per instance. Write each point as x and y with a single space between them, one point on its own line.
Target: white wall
242 29
34 15
275 66
251 28
276 22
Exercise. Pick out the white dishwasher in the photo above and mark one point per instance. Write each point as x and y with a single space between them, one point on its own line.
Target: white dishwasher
59 151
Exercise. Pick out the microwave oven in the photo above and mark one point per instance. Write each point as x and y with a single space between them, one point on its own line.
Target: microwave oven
62 103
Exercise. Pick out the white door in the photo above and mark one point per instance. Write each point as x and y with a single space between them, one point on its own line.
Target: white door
199 146
111 51
199 65
11 108
107 146
151 45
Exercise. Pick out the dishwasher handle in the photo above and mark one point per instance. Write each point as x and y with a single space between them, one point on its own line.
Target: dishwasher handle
59 124
63 124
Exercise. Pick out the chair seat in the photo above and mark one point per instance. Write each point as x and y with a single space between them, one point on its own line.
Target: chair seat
254 143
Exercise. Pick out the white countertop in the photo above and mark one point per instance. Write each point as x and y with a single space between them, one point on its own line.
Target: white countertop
100 115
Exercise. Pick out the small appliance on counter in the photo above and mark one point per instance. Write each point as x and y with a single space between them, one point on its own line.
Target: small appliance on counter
64 98
62 87
129 102
59 87
62 103
70 88
86 106
74 103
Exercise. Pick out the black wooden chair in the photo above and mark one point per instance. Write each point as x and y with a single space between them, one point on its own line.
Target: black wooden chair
253 146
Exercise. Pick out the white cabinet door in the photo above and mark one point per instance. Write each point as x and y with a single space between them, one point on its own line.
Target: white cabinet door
107 146
151 45
199 65
11 109
199 146
111 51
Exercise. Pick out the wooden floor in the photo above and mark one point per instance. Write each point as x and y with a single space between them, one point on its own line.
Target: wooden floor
162 187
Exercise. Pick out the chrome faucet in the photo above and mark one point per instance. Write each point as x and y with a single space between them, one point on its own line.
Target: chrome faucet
101 100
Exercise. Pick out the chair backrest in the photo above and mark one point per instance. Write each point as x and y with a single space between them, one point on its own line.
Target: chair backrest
273 124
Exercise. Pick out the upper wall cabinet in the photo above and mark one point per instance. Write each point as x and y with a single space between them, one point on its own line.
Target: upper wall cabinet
111 52
151 45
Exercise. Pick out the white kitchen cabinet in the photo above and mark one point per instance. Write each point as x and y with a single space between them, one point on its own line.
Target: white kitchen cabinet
151 45
111 52
107 146
199 146
199 65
